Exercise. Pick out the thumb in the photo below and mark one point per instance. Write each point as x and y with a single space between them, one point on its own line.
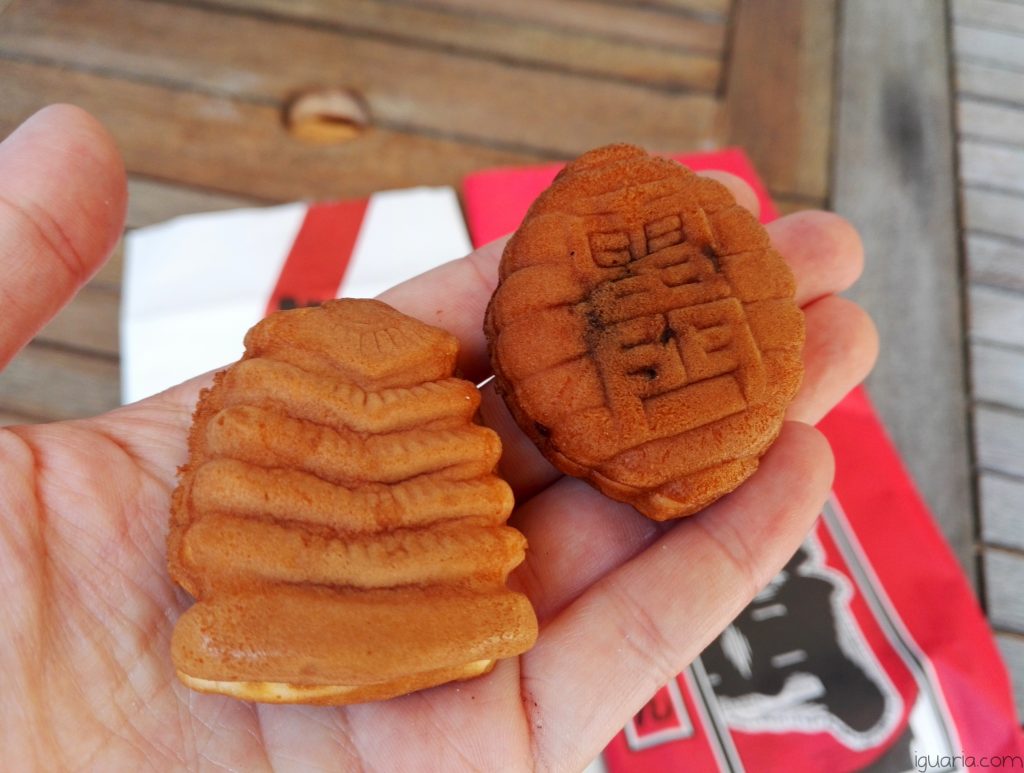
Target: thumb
62 207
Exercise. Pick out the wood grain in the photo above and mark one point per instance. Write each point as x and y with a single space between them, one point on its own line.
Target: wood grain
1004 576
999 438
894 178
778 99
1012 649
713 8
609 42
994 166
154 201
997 375
1002 510
994 14
89 323
53 383
995 261
993 212
988 81
989 121
109 275
239 147
412 95
625 21
996 315
988 45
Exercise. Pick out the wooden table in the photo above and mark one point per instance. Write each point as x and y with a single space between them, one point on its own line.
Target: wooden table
906 117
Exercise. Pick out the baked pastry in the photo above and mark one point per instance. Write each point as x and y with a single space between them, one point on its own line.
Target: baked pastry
339 521
643 332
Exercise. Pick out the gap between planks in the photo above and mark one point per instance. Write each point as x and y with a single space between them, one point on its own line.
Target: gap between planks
55 383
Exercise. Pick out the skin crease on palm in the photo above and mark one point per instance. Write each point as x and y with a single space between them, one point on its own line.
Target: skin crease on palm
87 608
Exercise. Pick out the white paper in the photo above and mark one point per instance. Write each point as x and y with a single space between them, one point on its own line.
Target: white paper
194 285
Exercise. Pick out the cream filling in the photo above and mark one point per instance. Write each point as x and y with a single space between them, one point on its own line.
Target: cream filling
284 692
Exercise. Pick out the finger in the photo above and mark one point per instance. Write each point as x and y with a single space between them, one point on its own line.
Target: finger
738 187
840 350
823 250
644 621
62 205
576 535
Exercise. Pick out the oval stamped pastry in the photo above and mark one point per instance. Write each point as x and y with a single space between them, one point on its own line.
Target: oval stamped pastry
644 333
339 521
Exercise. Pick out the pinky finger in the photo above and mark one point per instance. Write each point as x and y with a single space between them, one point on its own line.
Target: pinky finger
607 653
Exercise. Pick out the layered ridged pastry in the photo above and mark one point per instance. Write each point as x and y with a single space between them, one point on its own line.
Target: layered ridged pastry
339 521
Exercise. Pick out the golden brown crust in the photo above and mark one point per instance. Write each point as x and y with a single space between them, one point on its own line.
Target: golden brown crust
644 332
338 519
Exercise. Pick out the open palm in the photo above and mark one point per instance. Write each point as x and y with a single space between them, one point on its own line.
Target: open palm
87 607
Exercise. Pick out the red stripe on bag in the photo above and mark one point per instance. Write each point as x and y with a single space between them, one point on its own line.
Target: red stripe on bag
316 264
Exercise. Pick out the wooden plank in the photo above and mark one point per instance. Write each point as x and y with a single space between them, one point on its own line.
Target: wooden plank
995 261
996 315
992 165
1012 649
243 148
997 374
89 323
778 99
993 14
1004 577
1002 510
55 384
109 275
8 419
692 60
406 89
154 201
993 212
988 121
999 438
707 8
985 45
637 22
894 179
987 81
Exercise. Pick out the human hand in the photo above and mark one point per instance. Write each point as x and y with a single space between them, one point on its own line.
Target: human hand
624 603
